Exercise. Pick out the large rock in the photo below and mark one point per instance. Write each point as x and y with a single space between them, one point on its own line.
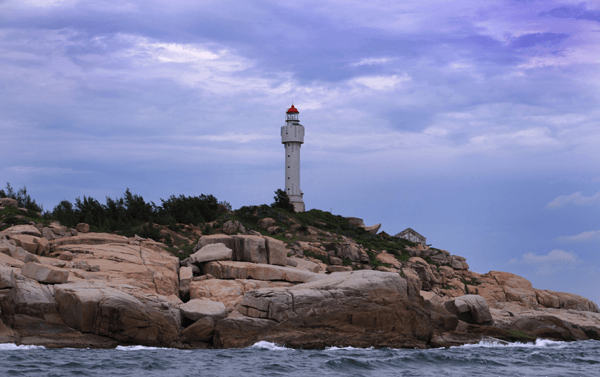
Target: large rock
185 279
30 298
48 234
22 229
128 317
360 308
9 261
471 309
373 229
200 308
45 274
145 266
9 202
547 327
389 259
6 247
499 287
329 299
231 227
25 241
250 249
276 251
211 252
458 263
229 292
303 264
266 223
43 246
7 277
200 331
244 270
561 300
238 332
214 238
349 250
89 239
24 256
82 228
355 221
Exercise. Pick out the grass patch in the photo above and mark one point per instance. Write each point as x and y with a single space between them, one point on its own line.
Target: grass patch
374 262
448 287
187 251
470 281
12 216
322 258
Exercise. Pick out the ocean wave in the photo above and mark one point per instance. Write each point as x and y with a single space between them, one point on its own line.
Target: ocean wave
140 348
12 346
269 346
347 348
539 343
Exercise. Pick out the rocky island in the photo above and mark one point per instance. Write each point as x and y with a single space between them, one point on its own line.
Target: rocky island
307 280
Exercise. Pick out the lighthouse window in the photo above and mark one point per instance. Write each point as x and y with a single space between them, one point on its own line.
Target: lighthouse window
288 177
288 167
288 155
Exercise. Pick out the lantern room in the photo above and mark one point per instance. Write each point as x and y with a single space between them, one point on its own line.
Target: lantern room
292 114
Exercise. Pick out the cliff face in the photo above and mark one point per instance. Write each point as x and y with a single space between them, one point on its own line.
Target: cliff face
301 285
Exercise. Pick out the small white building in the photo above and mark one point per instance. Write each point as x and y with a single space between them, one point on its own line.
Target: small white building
292 138
412 236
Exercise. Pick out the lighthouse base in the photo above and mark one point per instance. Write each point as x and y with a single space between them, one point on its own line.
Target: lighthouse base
298 206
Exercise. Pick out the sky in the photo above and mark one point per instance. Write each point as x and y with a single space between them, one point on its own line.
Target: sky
476 123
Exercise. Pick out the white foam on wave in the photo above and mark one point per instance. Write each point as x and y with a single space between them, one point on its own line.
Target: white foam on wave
269 346
346 348
12 346
139 348
539 343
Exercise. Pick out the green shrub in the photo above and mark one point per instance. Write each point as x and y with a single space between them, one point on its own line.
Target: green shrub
322 258
282 200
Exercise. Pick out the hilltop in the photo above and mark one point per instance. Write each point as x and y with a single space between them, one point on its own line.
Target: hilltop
310 279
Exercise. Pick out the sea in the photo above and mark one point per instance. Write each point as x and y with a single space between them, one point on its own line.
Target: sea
542 358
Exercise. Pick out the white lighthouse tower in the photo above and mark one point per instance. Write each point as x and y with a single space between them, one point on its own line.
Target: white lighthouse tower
292 137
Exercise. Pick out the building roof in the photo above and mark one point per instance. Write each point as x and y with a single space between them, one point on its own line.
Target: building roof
409 230
292 110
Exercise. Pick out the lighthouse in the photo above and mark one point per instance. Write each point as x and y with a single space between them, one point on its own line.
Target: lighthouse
292 137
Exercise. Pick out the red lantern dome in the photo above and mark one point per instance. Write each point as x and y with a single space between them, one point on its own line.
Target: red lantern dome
292 110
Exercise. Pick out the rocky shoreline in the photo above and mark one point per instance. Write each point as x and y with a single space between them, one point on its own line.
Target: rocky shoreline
64 287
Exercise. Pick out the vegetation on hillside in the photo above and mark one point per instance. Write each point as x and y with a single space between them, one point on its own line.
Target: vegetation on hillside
328 226
22 197
282 200
173 220
127 214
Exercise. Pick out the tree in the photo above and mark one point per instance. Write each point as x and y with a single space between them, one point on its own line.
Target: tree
22 197
282 200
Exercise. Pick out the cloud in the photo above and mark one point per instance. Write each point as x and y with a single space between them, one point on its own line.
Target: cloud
236 138
538 39
577 199
381 82
578 12
581 237
370 61
38 170
550 263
